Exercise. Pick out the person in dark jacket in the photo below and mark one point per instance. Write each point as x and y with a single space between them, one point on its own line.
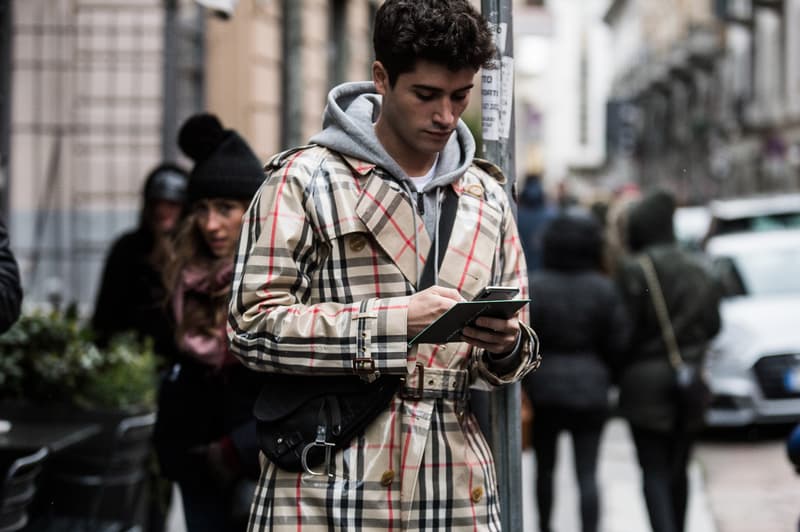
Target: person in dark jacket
647 393
131 295
10 288
584 329
205 433
533 213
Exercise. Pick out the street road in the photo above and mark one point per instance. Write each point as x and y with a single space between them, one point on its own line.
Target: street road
738 484
750 484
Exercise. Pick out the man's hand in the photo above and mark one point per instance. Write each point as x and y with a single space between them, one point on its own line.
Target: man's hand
496 335
424 307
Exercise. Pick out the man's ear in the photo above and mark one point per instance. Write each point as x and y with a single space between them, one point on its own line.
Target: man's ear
380 77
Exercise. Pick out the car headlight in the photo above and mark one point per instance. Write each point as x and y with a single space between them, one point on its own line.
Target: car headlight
731 346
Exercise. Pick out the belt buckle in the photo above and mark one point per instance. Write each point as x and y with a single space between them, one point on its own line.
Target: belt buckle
417 392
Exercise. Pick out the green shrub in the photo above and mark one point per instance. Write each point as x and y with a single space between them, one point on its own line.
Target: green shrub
51 358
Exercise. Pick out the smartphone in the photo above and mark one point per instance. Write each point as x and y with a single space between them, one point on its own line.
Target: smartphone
497 293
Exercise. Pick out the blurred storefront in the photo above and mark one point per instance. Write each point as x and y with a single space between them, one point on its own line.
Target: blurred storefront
93 93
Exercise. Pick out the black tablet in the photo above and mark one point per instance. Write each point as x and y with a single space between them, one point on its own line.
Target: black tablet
447 327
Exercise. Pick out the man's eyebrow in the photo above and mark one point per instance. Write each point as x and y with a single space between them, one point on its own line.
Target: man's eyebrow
439 89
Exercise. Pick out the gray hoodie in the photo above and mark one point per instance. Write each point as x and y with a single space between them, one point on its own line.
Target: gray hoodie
348 128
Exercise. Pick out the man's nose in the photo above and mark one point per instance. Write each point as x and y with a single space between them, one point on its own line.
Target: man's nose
444 115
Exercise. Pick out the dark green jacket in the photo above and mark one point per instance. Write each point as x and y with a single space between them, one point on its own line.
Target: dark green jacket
692 298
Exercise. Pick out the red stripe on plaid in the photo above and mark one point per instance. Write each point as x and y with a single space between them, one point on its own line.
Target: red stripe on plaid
472 504
409 435
475 260
406 239
316 310
471 255
275 214
393 424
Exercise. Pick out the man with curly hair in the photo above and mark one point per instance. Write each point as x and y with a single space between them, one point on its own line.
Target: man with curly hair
344 258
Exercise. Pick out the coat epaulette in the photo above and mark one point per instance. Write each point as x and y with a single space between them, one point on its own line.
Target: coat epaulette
491 169
278 159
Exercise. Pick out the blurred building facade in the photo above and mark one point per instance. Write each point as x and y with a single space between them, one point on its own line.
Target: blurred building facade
704 97
94 91
562 67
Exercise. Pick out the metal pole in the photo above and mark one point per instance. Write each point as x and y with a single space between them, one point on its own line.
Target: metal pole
169 123
292 119
497 119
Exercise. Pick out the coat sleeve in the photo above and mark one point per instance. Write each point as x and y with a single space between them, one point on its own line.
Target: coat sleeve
10 288
274 325
510 262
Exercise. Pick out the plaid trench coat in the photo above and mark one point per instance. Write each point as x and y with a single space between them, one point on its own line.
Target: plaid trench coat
325 267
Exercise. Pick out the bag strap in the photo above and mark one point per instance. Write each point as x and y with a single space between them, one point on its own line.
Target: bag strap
447 218
660 304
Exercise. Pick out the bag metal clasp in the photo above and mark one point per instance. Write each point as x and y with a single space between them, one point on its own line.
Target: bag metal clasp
319 441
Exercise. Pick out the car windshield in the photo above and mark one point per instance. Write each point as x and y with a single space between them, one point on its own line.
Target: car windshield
765 222
769 272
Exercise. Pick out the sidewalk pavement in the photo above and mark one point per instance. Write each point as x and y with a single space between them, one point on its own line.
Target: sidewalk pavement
619 479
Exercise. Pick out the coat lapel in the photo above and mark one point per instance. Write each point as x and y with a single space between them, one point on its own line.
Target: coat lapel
387 214
467 265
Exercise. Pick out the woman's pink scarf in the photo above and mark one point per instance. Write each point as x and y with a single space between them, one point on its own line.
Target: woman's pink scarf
211 350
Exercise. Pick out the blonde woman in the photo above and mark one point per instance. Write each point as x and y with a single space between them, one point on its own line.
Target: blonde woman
205 434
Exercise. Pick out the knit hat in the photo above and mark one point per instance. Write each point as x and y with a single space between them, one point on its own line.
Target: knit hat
225 166
166 182
650 220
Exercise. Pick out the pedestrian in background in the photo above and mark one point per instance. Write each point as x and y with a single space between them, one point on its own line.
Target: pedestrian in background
10 288
205 431
648 400
533 213
131 297
344 259
584 329
131 294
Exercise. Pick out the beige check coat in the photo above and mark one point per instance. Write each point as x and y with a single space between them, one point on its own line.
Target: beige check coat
325 267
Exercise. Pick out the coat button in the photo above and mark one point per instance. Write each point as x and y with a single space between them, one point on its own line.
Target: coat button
474 190
387 478
358 243
477 494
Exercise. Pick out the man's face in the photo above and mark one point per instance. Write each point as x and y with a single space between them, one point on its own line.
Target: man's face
421 111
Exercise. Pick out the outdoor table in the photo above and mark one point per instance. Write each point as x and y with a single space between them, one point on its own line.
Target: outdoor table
29 436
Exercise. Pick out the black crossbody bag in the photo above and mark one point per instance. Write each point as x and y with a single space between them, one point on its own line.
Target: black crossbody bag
302 419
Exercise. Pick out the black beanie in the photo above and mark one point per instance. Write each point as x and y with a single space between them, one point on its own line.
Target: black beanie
225 166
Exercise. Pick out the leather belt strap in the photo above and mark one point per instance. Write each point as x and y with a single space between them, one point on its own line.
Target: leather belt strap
435 383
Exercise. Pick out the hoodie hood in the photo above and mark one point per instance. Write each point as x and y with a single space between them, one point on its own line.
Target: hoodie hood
347 128
650 220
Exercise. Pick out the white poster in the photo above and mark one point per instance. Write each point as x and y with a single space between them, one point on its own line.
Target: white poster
490 102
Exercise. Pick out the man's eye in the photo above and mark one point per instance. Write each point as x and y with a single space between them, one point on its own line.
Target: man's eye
424 96
459 97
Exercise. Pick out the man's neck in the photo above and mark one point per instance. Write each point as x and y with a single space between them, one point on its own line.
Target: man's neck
412 162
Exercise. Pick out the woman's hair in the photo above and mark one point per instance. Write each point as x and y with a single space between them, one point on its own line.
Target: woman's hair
190 250
446 32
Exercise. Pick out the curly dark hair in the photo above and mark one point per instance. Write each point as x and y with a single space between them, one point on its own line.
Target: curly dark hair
446 32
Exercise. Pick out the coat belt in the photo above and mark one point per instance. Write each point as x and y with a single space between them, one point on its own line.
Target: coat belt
436 383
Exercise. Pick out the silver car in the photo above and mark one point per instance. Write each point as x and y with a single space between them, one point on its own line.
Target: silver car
754 362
